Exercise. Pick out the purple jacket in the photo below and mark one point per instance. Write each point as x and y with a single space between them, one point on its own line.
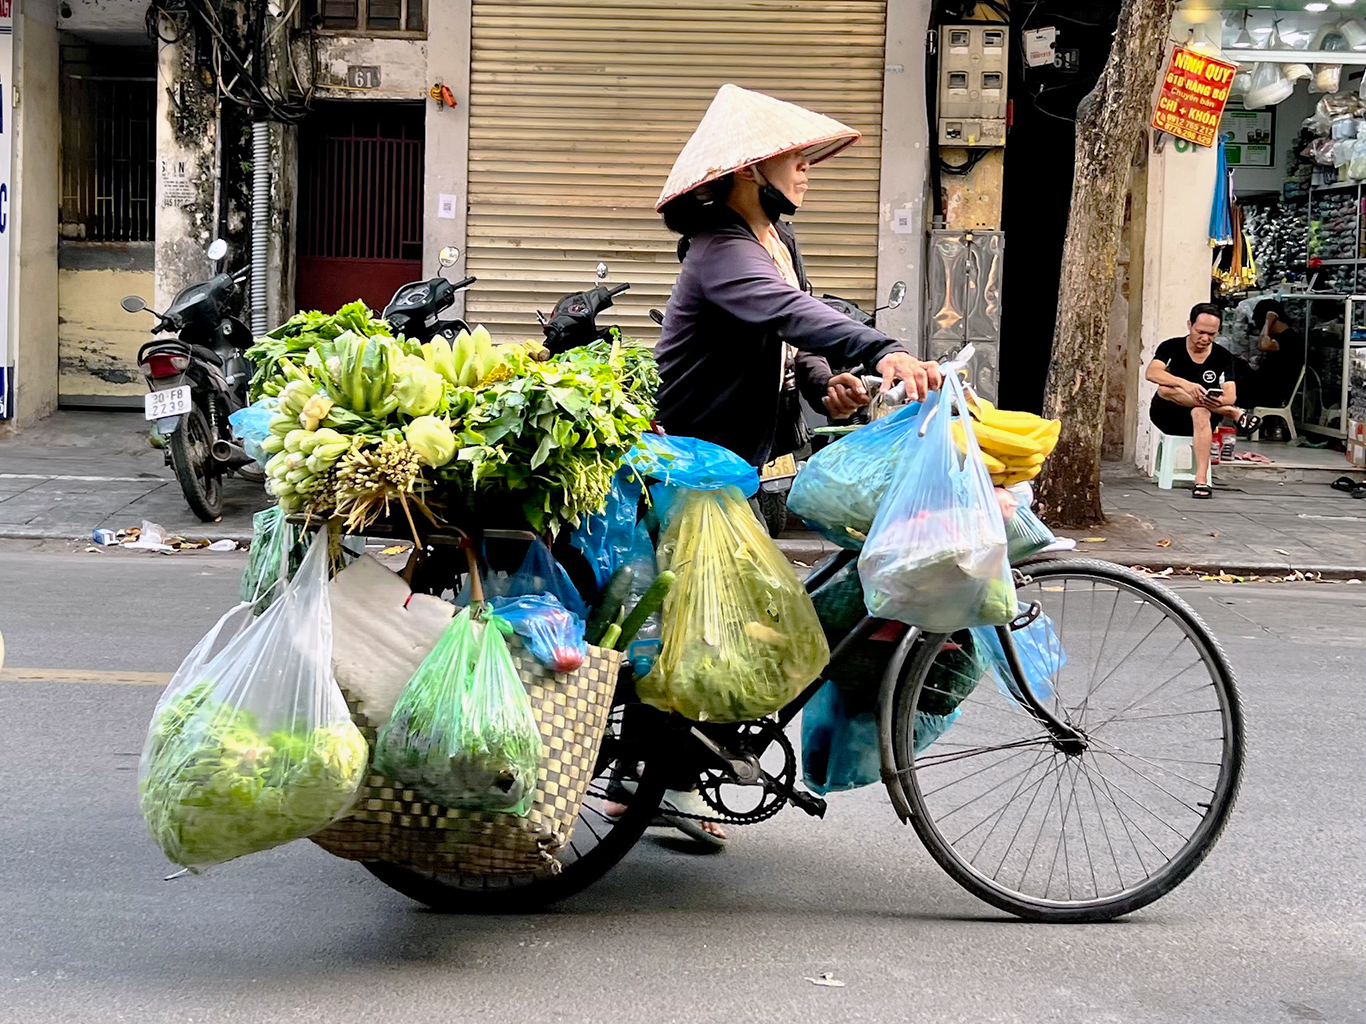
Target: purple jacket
720 349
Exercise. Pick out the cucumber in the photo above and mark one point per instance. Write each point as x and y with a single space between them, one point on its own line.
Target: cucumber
614 595
610 638
645 607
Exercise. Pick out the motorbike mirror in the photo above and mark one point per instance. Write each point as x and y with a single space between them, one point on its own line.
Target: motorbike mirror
133 304
602 272
657 317
447 257
897 296
217 249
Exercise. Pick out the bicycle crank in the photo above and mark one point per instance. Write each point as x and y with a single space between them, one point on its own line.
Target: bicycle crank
744 792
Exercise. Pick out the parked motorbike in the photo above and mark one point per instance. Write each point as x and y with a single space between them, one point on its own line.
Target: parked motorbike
415 309
196 378
573 322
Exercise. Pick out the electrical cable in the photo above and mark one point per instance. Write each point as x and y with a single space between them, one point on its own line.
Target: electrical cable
974 157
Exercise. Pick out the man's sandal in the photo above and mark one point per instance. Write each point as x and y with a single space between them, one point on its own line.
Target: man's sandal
1248 424
1202 491
676 800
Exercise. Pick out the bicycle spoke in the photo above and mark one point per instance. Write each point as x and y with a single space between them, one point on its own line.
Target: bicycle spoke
1038 836
1000 815
1111 749
1038 788
1023 776
1105 830
1196 811
1141 806
978 772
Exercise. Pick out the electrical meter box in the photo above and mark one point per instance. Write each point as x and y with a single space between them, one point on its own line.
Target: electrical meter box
972 84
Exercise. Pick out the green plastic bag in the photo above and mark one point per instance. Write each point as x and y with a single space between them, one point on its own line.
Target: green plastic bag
462 733
271 536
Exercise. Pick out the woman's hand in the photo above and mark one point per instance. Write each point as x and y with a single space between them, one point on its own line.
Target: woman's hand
844 396
920 378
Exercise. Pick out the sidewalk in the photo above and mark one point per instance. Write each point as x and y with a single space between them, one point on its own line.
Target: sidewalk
76 471
80 470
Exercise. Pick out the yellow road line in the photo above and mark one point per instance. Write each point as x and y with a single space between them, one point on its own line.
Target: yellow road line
83 675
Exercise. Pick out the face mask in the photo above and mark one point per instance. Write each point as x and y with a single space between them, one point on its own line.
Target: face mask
772 201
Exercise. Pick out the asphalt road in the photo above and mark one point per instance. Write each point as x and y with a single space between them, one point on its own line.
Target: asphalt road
1270 929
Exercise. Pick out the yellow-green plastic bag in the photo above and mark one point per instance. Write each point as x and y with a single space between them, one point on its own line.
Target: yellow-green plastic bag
741 637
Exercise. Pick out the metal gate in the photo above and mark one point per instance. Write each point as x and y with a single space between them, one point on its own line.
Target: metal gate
360 203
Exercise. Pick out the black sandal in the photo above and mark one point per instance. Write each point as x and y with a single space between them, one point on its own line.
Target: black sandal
1344 483
1202 491
1248 424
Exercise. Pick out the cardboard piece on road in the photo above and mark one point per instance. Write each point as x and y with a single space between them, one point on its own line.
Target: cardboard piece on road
381 632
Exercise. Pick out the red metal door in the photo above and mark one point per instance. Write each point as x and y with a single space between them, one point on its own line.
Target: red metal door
360 203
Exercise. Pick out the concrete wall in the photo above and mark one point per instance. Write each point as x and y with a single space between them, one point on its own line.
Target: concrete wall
905 170
97 341
33 209
448 132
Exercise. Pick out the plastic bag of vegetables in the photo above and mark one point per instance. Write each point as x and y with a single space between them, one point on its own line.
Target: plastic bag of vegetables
462 734
253 746
741 637
840 488
936 554
272 538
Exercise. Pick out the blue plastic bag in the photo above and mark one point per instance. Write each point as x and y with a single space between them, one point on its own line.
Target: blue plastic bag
839 490
840 748
1026 535
605 537
936 556
553 634
252 426
1040 652
539 574
689 462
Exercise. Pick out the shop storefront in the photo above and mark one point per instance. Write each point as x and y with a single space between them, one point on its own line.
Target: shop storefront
1294 149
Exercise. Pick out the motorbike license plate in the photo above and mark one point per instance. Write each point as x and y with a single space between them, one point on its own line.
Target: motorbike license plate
783 466
171 402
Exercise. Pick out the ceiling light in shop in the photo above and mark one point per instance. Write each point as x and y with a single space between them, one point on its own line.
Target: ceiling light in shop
1344 3
1316 8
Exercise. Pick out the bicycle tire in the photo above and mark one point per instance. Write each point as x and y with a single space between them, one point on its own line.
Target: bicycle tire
482 894
1155 884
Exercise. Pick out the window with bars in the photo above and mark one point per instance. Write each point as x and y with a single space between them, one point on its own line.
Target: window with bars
108 103
369 16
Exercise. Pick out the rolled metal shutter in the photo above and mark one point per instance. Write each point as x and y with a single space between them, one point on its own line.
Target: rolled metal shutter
578 110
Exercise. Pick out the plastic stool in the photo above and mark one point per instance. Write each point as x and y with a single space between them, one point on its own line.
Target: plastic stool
1165 472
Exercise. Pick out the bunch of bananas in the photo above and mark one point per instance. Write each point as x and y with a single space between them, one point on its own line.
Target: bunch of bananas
1014 444
465 363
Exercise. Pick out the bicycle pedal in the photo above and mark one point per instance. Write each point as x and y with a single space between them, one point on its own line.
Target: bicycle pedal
809 802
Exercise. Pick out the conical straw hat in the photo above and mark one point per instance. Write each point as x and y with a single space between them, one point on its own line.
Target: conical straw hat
743 127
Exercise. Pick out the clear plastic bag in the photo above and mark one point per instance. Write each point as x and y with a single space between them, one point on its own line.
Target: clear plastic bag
1039 650
936 556
553 634
253 746
604 538
540 573
462 733
643 649
741 636
264 576
841 486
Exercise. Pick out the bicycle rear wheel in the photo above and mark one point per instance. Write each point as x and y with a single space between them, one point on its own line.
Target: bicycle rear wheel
1096 830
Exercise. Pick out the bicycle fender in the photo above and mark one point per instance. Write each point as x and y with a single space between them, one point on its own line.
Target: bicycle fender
886 700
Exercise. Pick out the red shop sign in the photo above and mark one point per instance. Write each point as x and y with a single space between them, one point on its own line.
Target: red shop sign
1194 92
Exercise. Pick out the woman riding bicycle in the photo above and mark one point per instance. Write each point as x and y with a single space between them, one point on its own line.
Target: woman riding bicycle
728 353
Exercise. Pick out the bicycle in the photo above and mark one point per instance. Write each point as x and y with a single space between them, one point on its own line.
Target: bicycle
1011 750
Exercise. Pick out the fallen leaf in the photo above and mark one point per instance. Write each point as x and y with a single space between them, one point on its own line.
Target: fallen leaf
827 980
1280 552
1093 540
1350 582
1164 543
397 549
1214 533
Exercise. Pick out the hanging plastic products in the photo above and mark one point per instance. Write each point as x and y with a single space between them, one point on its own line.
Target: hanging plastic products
840 488
936 556
553 634
462 734
254 746
540 573
674 462
741 637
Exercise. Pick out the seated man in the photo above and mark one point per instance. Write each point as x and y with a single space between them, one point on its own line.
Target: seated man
1268 375
1195 388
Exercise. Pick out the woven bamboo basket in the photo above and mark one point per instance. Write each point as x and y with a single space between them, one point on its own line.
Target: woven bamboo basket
391 823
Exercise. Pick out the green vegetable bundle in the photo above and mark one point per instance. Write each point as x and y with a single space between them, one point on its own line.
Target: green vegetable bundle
254 746
462 734
741 637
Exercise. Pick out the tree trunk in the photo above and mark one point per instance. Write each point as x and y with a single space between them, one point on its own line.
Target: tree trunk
1110 121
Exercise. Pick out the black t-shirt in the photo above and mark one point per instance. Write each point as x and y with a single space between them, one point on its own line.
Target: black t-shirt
1214 372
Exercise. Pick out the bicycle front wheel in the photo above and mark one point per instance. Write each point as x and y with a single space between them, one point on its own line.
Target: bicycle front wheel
1096 828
